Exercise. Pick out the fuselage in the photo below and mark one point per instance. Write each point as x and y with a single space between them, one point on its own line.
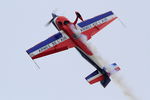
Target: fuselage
75 35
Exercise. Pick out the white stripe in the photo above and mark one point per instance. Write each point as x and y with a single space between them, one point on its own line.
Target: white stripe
97 23
94 77
52 44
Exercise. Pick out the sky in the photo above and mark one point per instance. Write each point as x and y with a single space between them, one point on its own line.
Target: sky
61 76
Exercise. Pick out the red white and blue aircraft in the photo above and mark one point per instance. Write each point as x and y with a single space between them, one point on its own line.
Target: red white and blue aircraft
71 35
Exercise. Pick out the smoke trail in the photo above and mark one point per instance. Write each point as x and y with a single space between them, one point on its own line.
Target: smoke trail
123 86
117 78
98 59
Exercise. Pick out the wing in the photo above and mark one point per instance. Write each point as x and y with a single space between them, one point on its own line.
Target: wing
91 26
56 43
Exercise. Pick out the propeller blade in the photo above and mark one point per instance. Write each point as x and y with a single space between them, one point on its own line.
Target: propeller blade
54 16
79 15
50 21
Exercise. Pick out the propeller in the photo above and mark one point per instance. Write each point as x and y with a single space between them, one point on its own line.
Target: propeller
79 15
51 21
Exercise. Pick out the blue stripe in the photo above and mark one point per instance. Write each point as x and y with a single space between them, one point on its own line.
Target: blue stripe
89 21
114 64
92 75
43 43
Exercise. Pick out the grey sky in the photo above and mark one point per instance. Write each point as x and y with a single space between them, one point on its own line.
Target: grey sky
62 75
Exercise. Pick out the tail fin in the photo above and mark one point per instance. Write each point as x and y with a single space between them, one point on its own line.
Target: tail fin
105 81
96 76
112 69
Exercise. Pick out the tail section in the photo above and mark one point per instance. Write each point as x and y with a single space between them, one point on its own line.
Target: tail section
112 69
105 81
96 76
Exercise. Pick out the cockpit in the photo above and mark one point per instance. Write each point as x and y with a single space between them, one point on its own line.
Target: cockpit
66 22
60 21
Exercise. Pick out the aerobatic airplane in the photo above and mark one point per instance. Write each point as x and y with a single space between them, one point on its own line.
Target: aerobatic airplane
73 34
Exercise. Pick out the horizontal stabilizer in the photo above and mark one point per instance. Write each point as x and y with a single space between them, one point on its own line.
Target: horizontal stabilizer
94 77
104 79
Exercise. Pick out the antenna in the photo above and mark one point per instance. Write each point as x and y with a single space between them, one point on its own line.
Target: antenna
122 23
36 64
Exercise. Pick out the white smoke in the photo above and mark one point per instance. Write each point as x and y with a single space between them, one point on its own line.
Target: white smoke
123 86
117 78
101 62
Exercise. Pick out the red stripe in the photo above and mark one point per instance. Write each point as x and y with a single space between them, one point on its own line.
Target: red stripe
57 48
100 78
89 33
49 51
117 68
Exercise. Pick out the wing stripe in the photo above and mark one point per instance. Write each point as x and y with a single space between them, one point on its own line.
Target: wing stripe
97 79
49 40
94 77
89 21
91 75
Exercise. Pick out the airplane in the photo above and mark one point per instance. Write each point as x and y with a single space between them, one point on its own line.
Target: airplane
72 34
